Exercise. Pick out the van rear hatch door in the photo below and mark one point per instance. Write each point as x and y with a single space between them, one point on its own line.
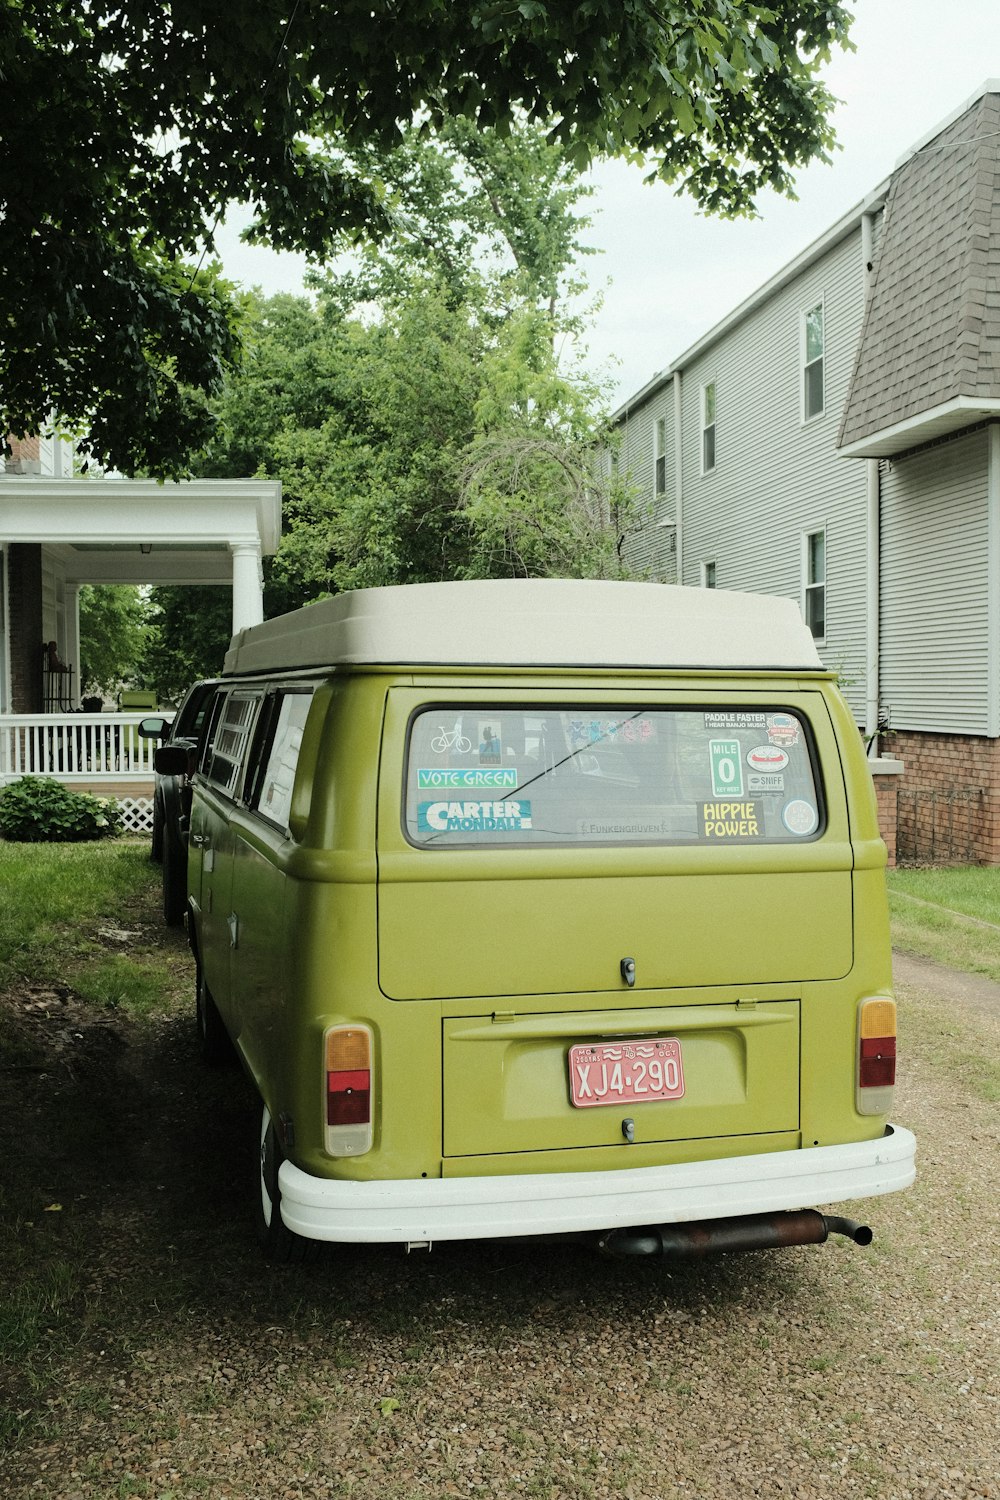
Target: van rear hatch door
543 842
554 1081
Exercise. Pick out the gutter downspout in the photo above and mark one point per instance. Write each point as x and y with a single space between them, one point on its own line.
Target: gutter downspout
873 609
678 477
993 584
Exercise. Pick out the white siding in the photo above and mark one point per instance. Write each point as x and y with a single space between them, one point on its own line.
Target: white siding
935 659
775 476
650 553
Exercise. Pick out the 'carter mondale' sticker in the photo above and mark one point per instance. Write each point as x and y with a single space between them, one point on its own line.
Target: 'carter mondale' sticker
473 817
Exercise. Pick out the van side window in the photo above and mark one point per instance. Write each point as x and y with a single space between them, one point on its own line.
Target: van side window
628 775
232 730
272 793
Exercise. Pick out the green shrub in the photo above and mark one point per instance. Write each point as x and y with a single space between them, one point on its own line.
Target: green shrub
39 810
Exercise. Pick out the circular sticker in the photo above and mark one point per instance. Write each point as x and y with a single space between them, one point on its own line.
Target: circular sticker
799 817
767 758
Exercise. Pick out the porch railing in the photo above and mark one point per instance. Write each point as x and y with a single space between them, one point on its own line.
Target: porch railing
93 748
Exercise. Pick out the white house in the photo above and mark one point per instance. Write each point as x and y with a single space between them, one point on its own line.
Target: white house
836 439
58 532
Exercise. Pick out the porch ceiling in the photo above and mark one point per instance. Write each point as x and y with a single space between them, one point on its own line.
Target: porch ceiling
99 527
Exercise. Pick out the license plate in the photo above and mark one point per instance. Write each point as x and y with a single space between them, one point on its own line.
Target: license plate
636 1072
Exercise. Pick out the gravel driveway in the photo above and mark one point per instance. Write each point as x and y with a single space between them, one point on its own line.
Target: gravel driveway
178 1365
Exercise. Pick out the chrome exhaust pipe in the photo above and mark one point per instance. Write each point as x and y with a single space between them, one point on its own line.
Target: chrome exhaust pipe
711 1236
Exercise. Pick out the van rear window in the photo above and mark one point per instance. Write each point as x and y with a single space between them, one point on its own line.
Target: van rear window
610 776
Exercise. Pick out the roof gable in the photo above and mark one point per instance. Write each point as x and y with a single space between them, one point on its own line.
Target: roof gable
930 343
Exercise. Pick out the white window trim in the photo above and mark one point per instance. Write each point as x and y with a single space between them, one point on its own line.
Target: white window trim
807 584
709 385
804 418
659 425
710 563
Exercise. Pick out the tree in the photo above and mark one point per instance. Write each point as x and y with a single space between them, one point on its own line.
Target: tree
187 640
114 632
128 129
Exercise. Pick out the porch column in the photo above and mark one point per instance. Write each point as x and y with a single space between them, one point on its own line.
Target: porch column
248 585
71 645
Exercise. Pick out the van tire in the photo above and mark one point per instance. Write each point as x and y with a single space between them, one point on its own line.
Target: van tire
156 849
174 877
216 1046
277 1241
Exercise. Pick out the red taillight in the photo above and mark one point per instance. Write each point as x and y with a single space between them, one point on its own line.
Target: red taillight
878 1062
348 1097
348 1058
876 1073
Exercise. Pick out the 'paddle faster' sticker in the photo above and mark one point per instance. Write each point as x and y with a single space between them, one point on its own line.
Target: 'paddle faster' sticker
473 817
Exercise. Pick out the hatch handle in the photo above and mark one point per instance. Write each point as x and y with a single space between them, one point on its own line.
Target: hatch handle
627 967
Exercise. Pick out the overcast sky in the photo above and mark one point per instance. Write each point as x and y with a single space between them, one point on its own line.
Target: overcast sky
668 273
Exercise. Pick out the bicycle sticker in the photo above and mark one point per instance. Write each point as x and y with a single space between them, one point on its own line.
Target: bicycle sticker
450 739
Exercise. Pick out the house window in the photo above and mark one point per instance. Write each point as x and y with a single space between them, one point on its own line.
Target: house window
812 362
660 455
708 575
708 428
815 583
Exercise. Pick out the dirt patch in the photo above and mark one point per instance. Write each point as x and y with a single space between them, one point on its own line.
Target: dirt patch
949 985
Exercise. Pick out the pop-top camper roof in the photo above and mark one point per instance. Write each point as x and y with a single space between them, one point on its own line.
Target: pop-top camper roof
533 622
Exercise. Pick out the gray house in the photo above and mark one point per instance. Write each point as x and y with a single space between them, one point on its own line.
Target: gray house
836 439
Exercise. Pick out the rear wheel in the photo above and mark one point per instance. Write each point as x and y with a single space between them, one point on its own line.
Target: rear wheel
277 1241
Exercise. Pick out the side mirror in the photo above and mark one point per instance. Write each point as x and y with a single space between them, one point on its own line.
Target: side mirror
171 760
153 728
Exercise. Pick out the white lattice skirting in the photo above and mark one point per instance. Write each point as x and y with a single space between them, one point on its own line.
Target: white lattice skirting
137 814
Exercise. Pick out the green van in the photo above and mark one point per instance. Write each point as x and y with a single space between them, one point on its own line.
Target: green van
546 907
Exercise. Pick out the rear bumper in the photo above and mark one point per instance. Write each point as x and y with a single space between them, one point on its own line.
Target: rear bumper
469 1208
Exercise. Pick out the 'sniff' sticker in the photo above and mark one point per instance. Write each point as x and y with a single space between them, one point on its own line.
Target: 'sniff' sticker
765 781
467 778
799 817
473 817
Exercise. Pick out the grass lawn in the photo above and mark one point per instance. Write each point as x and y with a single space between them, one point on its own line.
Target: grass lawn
951 914
74 914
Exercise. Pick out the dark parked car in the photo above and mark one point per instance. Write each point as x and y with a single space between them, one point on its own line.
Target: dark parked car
172 794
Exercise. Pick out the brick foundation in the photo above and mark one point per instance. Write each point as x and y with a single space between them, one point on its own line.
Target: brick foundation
949 798
887 775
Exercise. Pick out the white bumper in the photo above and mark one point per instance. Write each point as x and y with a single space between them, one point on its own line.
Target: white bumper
471 1208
